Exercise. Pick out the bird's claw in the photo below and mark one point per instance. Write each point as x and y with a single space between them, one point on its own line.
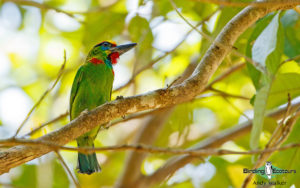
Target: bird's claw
120 97
84 112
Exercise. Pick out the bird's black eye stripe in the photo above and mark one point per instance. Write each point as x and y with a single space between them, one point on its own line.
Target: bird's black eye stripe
103 44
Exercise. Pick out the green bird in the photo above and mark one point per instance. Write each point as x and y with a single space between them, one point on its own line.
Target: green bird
92 87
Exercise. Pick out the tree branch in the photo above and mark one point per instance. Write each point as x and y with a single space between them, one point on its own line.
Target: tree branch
191 152
61 116
254 3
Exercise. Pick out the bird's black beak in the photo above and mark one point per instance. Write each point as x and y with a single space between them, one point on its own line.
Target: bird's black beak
121 49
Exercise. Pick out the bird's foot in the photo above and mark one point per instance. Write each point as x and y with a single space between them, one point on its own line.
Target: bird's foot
120 97
84 112
105 126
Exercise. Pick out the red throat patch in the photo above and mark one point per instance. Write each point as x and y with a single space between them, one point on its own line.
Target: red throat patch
114 57
96 61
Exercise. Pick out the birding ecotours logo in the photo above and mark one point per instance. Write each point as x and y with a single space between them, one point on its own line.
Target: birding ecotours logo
269 171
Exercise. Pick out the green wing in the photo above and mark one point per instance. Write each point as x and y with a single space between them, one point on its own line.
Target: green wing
75 87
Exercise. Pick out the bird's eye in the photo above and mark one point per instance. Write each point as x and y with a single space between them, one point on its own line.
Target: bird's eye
106 44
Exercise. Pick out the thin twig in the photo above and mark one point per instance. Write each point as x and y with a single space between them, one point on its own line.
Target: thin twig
96 9
145 148
225 94
62 161
113 123
47 123
174 81
40 6
236 108
229 3
233 69
290 59
60 73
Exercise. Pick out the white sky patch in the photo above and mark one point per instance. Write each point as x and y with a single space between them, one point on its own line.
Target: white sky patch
197 174
4 65
143 10
25 45
76 6
122 71
132 5
122 75
151 166
61 104
25 42
230 145
146 10
63 22
32 20
248 113
54 49
14 106
168 34
212 21
156 21
204 121
193 38
10 16
204 118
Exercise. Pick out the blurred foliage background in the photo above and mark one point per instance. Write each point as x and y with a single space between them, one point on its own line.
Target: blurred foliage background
32 43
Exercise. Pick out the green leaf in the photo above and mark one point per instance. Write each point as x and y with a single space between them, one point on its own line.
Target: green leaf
253 72
266 42
27 177
141 33
274 59
260 104
282 85
267 51
60 177
290 22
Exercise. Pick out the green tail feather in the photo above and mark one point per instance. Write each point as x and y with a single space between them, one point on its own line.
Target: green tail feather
87 163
